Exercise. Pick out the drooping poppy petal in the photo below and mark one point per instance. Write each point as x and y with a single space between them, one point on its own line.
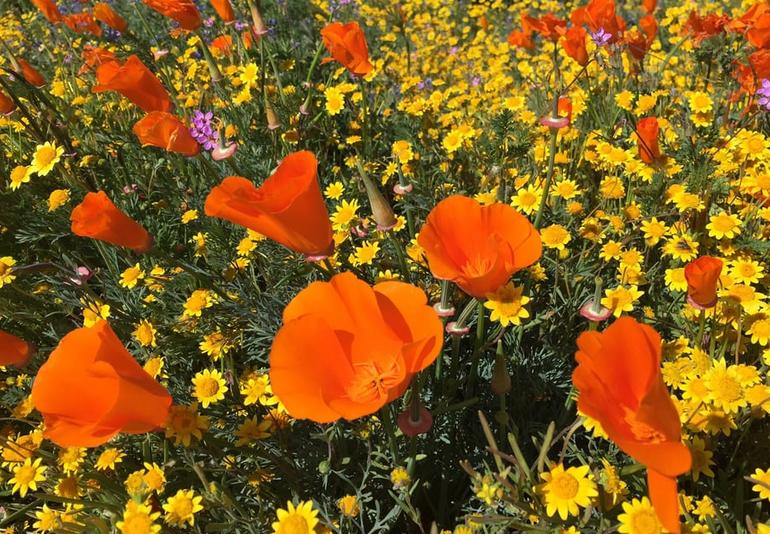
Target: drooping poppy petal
30 74
13 350
98 218
224 9
49 9
665 499
288 207
104 13
647 131
477 247
702 277
347 45
114 393
136 82
166 131
346 348
182 11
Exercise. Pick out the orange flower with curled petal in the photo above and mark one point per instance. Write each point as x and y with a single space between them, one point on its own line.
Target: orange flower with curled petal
166 131
702 277
104 13
135 81
600 15
91 388
640 42
477 247
522 38
347 45
30 74
182 11
549 26
288 207
706 26
13 350
574 44
346 348
7 105
647 131
95 56
620 385
224 9
49 9
98 218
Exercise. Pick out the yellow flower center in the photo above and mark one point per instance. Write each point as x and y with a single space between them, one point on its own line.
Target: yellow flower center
45 155
645 522
641 430
208 387
24 475
564 486
294 524
137 524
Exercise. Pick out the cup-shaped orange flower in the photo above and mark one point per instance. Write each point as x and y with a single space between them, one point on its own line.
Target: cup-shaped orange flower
13 350
49 9
104 13
166 131
182 11
7 105
98 218
647 131
346 348
135 81
91 388
347 45
702 277
224 9
477 247
574 44
288 207
600 15
620 385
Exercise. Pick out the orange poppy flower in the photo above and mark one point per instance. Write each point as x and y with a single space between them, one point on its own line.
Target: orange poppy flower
105 14
95 56
640 42
222 45
549 26
574 44
747 20
759 33
166 131
477 247
29 73
702 277
7 105
135 81
703 27
49 9
83 22
98 218
647 131
346 348
114 394
224 9
600 14
13 350
522 38
347 45
288 207
182 11
649 6
758 68
620 385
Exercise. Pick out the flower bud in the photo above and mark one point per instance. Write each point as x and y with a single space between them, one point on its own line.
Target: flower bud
501 380
381 210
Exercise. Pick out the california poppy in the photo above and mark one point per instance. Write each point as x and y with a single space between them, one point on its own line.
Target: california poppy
288 207
522 38
49 9
83 22
113 393
347 45
7 105
620 385
600 15
104 13
13 350
182 11
135 81
224 9
549 26
702 277
758 68
222 45
649 6
640 42
346 348
95 56
98 218
706 26
166 131
751 16
759 32
30 74
477 247
574 44
647 131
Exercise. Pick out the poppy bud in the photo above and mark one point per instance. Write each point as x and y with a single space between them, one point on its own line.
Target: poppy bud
381 210
273 122
702 277
501 380
255 8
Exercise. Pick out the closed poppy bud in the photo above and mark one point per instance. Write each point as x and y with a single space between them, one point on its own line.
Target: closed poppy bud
13 350
49 9
477 247
647 131
288 207
255 8
98 218
381 211
347 45
574 44
30 74
135 81
182 11
619 384
105 14
7 105
564 107
164 130
346 348
224 9
114 394
702 277
273 122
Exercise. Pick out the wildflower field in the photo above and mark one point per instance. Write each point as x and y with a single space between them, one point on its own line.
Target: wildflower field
382 266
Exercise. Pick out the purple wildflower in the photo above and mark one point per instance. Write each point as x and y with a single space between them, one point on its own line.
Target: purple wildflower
601 37
764 94
203 131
